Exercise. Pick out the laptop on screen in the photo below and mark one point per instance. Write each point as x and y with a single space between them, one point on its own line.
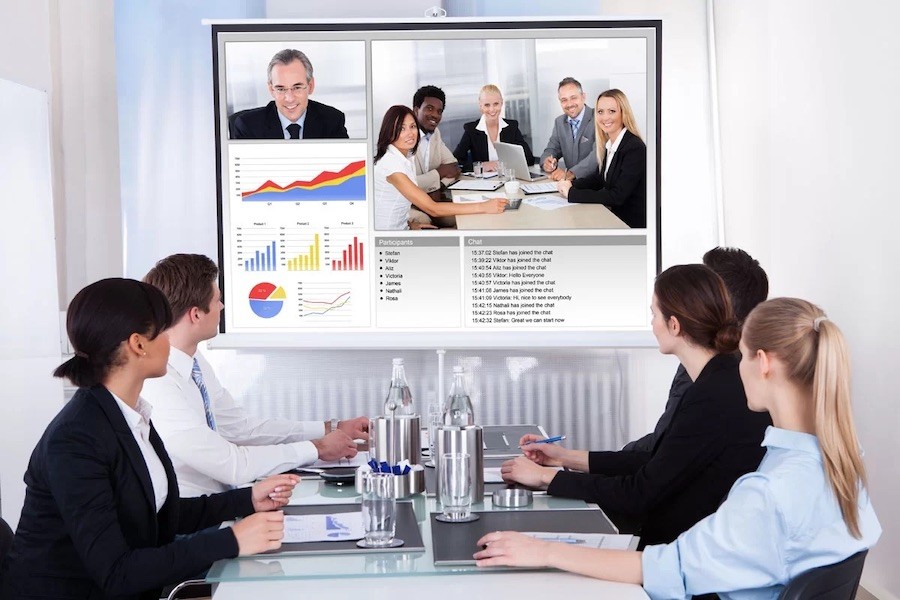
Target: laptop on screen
513 156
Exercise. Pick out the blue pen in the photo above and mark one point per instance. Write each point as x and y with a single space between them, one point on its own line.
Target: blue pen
549 440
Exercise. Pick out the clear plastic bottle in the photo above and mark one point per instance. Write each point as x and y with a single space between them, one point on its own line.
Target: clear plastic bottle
399 400
458 411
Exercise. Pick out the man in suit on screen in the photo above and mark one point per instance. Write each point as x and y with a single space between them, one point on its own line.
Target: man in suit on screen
572 139
434 161
290 114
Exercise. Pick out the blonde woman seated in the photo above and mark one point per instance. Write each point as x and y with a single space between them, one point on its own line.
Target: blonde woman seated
479 136
395 178
806 506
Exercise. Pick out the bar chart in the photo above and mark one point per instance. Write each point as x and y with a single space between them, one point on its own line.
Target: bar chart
351 257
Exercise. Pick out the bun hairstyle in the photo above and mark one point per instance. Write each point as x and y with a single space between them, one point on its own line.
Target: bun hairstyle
697 297
814 352
102 316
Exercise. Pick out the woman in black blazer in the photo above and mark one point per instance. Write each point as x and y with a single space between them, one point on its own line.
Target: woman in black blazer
713 437
101 506
622 187
478 138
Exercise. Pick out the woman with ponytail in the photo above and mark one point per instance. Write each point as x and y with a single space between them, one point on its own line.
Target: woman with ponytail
101 505
805 507
712 440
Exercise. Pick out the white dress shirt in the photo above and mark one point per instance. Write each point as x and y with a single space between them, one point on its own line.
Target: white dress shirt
138 419
392 207
482 126
776 523
242 449
611 148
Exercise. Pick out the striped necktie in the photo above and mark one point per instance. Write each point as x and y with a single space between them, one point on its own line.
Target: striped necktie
574 123
197 376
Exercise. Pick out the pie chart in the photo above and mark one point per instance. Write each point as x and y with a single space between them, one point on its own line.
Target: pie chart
267 299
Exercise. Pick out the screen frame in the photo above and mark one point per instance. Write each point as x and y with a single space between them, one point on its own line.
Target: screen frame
624 338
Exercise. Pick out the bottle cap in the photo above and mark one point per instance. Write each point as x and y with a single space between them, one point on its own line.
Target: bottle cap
398 361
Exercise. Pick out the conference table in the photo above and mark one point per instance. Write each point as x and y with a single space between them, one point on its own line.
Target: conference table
528 217
389 575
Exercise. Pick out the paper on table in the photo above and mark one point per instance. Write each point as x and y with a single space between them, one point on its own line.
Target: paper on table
551 202
492 475
608 541
361 458
339 527
463 199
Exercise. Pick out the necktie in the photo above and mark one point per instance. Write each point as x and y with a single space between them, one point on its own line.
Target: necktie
574 123
197 376
294 130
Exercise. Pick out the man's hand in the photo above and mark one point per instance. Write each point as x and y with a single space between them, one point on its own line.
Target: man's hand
549 165
335 446
449 170
357 429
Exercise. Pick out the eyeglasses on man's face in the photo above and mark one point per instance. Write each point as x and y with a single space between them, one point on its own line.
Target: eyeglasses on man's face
294 89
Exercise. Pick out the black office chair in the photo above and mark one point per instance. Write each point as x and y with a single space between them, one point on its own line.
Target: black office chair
833 582
6 539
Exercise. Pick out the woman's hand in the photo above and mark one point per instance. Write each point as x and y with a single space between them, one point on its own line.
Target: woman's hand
489 165
521 470
510 548
273 492
548 455
259 532
564 186
416 225
494 206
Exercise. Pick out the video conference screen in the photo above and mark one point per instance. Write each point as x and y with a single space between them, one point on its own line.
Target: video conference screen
490 218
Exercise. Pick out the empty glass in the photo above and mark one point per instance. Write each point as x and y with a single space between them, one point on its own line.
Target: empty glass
379 510
456 487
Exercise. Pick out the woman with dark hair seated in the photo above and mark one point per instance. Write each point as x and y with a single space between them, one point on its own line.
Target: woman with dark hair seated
395 178
712 440
101 509
805 507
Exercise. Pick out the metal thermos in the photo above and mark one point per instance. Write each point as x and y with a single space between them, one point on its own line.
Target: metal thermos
469 440
392 440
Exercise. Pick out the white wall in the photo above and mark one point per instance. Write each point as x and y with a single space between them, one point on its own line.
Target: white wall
809 133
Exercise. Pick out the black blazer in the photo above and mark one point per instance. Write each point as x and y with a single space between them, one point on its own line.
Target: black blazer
89 526
476 142
712 440
624 188
322 122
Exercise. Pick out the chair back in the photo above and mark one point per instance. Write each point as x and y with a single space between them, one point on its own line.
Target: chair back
832 582
6 539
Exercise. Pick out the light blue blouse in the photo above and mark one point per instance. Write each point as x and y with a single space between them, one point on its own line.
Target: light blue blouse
776 523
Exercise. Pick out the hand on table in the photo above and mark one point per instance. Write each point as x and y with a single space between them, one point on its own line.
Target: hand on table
523 471
563 187
259 532
510 548
494 206
273 492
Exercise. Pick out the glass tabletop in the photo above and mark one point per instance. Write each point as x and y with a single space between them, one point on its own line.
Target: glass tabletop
392 563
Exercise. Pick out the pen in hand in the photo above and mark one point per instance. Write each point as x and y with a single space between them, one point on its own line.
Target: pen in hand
549 440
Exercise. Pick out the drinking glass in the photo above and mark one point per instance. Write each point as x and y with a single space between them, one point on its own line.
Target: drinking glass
455 486
379 509
435 420
477 168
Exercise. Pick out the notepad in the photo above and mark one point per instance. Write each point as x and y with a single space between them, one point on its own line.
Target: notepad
480 185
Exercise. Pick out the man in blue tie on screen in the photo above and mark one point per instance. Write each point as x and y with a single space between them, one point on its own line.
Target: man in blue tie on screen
572 139
290 114
213 442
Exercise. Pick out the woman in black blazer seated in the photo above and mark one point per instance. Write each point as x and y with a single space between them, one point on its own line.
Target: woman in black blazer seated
621 182
479 136
713 437
101 506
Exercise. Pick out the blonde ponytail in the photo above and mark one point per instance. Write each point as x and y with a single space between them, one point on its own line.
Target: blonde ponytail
834 423
814 351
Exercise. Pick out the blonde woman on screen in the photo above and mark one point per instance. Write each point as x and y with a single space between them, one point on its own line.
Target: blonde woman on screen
621 182
805 507
478 138
395 178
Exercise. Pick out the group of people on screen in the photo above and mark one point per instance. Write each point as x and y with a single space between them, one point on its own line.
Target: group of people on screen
752 475
595 154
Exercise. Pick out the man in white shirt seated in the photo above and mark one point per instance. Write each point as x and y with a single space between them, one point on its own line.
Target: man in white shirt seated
212 441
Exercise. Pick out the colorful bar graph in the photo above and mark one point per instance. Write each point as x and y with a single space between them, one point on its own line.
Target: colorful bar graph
261 261
310 261
352 257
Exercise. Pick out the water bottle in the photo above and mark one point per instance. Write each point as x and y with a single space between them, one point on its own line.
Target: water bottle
458 411
399 400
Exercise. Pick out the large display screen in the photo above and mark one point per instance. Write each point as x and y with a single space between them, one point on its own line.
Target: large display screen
305 261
